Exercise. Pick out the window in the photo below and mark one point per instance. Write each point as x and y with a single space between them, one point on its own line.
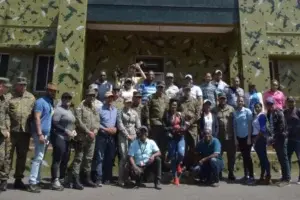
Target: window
156 64
3 64
43 72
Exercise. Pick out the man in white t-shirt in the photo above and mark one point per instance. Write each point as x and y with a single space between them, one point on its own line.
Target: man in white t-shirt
196 91
171 89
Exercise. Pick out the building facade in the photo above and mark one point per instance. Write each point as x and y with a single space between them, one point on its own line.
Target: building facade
70 41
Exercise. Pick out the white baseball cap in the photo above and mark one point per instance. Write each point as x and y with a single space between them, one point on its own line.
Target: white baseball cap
188 76
170 74
93 86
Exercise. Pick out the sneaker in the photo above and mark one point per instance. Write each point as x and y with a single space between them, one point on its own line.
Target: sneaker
231 177
34 188
283 183
99 183
19 184
250 181
215 184
56 185
176 181
157 185
244 179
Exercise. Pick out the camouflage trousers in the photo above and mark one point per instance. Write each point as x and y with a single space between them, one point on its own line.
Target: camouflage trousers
5 162
84 153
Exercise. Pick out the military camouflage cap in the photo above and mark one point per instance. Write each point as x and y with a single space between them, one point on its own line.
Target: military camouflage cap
21 80
5 81
91 92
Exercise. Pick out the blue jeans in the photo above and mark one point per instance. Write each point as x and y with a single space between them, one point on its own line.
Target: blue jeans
209 170
293 146
39 150
103 157
176 152
261 150
280 146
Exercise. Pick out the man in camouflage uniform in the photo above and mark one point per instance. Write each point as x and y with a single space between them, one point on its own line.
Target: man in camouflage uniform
5 144
190 109
224 114
88 124
139 107
20 110
156 107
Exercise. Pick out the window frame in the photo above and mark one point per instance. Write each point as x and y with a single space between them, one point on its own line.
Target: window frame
2 53
37 67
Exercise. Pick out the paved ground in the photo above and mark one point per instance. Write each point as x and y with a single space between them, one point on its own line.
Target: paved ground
183 192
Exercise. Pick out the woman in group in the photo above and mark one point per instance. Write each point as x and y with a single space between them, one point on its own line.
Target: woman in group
128 122
208 120
253 97
174 125
63 131
242 128
260 143
127 90
276 94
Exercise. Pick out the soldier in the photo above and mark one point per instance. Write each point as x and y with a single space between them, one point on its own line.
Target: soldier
190 109
20 110
139 107
88 123
155 110
4 135
224 114
118 100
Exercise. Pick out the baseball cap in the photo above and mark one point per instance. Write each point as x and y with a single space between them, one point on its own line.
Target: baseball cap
90 92
222 95
291 99
218 71
127 80
188 76
66 95
160 84
93 86
109 94
5 81
207 101
187 87
143 129
170 74
270 100
21 80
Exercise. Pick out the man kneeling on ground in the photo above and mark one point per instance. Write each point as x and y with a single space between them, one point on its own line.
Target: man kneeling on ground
144 157
211 163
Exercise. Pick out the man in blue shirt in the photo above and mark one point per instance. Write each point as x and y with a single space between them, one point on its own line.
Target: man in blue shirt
105 142
144 157
148 87
43 111
103 86
210 163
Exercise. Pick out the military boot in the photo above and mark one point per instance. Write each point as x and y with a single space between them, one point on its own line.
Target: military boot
88 181
3 185
76 183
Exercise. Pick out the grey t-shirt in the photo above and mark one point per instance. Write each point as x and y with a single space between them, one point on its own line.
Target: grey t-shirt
63 121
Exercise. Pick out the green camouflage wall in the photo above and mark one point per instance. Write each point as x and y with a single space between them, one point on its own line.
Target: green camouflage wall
267 27
26 24
184 53
70 47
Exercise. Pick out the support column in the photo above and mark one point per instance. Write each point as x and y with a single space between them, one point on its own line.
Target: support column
70 48
254 53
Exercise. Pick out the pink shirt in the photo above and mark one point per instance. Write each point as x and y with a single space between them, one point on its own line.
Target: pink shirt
278 97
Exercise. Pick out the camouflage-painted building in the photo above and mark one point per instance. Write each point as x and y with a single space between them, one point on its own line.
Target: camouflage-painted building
70 41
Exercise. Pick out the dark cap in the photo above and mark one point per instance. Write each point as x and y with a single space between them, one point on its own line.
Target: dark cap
160 84
66 95
270 100
291 99
143 129
116 87
21 80
128 80
137 94
222 95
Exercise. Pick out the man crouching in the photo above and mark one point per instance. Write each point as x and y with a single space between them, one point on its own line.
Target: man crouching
144 158
210 163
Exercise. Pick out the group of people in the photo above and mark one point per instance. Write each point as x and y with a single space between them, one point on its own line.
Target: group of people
151 127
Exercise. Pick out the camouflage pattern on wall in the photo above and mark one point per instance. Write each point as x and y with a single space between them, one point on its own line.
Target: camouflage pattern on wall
33 13
267 27
70 47
183 53
289 72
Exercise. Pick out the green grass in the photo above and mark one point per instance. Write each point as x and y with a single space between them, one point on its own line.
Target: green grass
46 172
